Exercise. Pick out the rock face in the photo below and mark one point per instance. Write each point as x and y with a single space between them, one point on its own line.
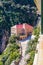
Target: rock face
3 41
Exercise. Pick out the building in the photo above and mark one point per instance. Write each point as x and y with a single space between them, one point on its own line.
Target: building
38 4
22 30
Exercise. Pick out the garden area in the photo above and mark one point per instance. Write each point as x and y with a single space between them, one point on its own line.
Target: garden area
11 53
31 48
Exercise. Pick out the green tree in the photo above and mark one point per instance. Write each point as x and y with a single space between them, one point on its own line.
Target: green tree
14 12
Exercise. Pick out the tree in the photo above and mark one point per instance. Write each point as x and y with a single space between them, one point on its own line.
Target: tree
14 12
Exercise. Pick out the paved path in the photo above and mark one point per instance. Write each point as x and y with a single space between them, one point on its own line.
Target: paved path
40 51
38 60
24 47
36 56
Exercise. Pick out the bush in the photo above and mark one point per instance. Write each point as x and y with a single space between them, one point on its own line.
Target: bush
12 39
32 45
11 52
31 49
30 61
13 56
36 31
1 63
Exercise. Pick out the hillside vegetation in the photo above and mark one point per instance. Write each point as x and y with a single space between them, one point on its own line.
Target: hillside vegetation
16 11
11 53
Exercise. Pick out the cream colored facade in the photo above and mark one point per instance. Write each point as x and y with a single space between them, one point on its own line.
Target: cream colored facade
38 4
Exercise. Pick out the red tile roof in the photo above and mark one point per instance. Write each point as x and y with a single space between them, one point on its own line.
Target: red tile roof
29 26
19 26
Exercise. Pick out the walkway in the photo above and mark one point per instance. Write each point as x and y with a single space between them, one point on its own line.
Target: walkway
40 51
24 47
38 60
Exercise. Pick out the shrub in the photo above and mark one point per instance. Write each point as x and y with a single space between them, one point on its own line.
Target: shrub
31 49
13 56
1 63
12 39
11 52
30 61
36 31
